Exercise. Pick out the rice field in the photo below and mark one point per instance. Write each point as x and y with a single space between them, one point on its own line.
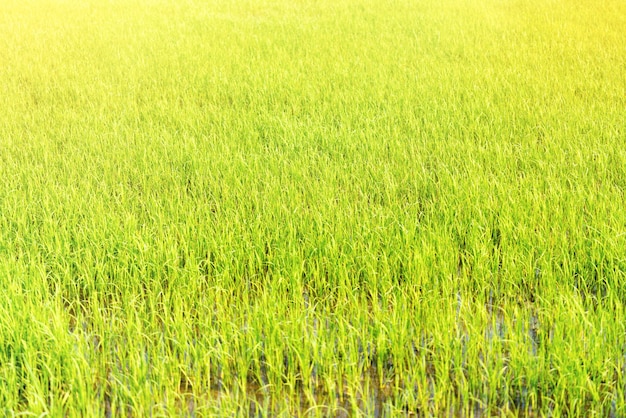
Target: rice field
316 208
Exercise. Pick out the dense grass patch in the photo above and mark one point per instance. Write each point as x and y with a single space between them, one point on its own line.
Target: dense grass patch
312 207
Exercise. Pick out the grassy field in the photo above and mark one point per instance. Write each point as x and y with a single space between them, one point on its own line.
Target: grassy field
320 208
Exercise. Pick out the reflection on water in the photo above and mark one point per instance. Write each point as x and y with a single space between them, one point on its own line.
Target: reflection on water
370 399
377 392
375 395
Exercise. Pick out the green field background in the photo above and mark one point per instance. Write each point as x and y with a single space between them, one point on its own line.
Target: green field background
313 208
